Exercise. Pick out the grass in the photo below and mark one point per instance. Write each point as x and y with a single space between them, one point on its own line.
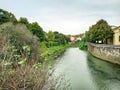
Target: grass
53 52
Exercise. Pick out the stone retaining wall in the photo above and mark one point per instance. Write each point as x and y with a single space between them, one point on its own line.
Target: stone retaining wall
109 53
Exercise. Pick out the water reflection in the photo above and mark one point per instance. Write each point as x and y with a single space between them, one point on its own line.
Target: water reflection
106 76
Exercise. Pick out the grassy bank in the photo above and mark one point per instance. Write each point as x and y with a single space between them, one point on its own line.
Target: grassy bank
51 53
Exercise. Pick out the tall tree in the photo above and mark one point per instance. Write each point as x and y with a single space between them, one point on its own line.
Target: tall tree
6 16
101 31
23 20
60 38
50 36
37 30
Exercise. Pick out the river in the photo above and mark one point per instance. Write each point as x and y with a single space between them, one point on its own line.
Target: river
78 70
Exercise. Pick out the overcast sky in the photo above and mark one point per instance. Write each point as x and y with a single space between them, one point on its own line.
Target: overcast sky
65 16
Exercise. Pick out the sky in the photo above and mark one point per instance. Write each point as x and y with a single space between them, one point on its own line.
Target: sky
65 16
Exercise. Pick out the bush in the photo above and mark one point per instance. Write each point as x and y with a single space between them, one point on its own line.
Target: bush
83 45
17 47
24 77
28 77
13 39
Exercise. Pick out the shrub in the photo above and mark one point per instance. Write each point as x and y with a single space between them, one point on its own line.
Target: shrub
14 38
24 77
83 45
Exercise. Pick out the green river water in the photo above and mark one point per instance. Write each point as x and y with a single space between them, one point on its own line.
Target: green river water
78 70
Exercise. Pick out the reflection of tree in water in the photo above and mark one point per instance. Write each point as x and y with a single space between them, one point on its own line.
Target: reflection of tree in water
105 75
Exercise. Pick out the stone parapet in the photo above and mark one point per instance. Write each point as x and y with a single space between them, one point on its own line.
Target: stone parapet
106 52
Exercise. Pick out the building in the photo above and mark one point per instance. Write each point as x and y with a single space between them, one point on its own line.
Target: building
73 39
116 36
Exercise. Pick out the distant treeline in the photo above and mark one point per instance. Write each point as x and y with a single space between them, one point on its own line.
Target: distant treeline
50 38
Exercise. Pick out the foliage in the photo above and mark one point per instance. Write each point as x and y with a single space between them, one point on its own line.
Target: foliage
61 38
101 31
83 45
23 20
37 65
6 17
22 62
21 66
50 36
56 39
37 30
29 77
53 52
24 77
18 42
34 28
43 47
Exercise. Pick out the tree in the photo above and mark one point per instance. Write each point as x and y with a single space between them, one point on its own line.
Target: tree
101 31
6 16
50 36
23 20
56 38
37 30
61 38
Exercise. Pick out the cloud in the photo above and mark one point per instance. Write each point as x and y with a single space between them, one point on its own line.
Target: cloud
65 16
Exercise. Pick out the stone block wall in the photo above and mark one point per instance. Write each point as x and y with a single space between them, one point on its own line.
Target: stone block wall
106 52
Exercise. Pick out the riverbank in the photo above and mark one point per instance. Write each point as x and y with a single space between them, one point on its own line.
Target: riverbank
53 52
50 54
32 75
110 53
